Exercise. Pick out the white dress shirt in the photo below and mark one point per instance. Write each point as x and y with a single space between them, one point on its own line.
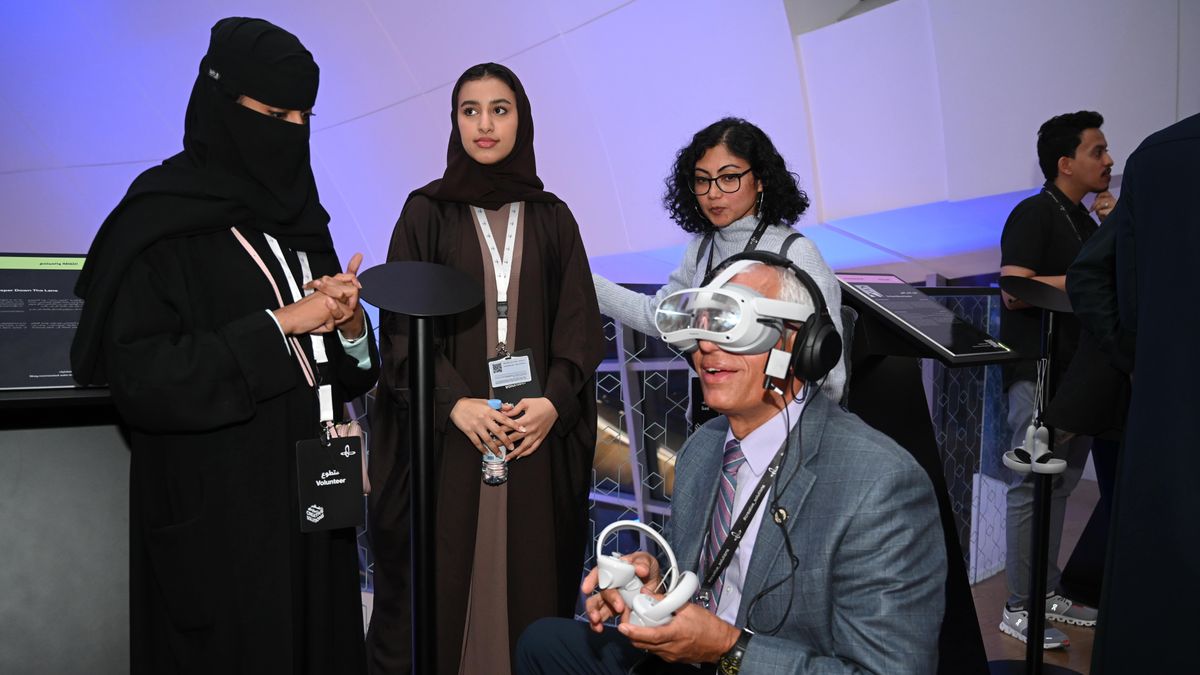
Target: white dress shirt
759 448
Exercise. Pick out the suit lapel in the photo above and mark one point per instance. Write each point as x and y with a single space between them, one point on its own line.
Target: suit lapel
697 471
769 545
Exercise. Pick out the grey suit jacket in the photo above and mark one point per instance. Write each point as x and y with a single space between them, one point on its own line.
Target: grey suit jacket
868 594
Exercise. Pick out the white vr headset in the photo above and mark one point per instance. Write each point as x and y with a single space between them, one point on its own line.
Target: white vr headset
736 318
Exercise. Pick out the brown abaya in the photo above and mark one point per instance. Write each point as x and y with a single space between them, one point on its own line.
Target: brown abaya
545 500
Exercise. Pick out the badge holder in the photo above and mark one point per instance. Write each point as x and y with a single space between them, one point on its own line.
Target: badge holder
422 291
329 481
514 377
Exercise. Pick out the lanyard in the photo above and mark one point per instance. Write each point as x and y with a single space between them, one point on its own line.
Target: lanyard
1065 214
751 245
291 339
718 564
324 390
501 267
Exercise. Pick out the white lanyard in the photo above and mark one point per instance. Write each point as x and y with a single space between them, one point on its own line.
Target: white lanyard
324 391
501 266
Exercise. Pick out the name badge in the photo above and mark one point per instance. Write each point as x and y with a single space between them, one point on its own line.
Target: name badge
510 371
329 483
514 377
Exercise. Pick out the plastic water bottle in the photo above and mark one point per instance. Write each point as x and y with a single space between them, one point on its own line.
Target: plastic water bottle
495 468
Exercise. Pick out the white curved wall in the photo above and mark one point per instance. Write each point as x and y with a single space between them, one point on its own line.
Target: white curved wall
891 119
941 99
614 87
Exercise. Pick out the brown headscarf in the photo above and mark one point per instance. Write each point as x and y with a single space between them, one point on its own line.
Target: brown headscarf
512 179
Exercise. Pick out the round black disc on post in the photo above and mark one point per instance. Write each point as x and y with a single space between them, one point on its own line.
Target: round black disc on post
422 291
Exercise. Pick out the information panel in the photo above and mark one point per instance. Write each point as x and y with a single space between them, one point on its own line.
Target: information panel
38 316
949 338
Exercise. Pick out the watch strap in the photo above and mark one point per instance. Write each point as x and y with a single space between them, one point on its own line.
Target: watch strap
731 661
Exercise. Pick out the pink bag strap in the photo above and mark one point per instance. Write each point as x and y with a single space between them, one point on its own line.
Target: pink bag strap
300 358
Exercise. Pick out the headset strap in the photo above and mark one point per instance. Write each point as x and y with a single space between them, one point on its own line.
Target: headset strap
787 243
705 244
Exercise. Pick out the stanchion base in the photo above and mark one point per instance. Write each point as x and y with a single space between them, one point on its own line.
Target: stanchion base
1020 668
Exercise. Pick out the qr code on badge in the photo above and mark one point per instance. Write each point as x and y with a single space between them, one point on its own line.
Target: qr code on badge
496 368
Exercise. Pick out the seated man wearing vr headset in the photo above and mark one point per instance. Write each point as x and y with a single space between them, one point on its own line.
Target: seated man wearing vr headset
815 538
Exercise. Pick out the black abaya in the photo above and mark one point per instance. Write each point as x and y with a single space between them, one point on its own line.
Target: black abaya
1153 553
222 580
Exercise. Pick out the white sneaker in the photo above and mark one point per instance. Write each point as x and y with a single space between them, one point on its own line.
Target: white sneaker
1016 624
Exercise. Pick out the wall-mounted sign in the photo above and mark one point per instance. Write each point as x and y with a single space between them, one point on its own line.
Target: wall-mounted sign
38 316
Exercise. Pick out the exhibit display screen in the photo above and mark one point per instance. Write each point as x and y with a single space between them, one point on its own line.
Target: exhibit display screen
952 339
38 316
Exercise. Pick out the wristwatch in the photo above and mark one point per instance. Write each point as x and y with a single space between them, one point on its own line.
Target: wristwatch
731 661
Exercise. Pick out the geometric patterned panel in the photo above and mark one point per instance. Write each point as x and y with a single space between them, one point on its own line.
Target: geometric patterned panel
642 391
969 412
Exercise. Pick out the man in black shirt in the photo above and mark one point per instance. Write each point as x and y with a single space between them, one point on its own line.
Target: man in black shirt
1041 238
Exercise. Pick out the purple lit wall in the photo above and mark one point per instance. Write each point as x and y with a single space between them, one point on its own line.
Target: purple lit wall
911 126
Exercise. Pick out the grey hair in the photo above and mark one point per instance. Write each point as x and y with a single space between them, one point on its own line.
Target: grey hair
790 288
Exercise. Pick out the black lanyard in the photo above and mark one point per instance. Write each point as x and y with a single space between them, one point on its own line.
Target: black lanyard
750 246
725 554
1065 214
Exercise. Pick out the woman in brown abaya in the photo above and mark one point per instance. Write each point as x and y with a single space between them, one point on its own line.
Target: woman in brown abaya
508 554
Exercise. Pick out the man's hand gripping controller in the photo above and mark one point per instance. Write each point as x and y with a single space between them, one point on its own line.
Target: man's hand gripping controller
645 610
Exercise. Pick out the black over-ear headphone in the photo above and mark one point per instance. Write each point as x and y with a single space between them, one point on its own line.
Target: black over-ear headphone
818 345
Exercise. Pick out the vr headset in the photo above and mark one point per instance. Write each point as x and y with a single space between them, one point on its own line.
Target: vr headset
740 320
736 317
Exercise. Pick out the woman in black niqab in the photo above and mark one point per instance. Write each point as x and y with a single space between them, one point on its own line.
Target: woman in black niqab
183 324
237 165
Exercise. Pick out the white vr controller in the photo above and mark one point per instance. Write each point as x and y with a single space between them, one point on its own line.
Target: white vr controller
1035 454
645 610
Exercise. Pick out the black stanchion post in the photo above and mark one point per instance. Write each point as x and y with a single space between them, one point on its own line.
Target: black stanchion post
1051 300
422 291
1040 546
420 382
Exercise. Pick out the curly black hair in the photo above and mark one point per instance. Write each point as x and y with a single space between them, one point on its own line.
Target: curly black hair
783 201
1060 135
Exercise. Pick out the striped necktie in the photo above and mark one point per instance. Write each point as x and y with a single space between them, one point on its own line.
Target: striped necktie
723 513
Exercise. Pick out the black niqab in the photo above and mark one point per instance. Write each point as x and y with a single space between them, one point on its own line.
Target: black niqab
238 167
512 179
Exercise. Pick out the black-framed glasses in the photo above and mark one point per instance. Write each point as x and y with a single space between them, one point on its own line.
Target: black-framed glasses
726 182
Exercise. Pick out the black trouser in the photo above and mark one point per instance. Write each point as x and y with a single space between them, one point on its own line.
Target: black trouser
565 647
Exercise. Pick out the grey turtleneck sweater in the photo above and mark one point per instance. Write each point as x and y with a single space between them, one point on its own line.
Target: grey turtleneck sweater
636 310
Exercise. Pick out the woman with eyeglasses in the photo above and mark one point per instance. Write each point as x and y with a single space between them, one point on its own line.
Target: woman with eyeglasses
732 189
509 553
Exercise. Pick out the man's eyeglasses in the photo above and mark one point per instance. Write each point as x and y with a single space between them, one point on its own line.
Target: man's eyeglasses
726 182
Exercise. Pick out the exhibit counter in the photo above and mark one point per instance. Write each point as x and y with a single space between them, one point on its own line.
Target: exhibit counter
64 521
